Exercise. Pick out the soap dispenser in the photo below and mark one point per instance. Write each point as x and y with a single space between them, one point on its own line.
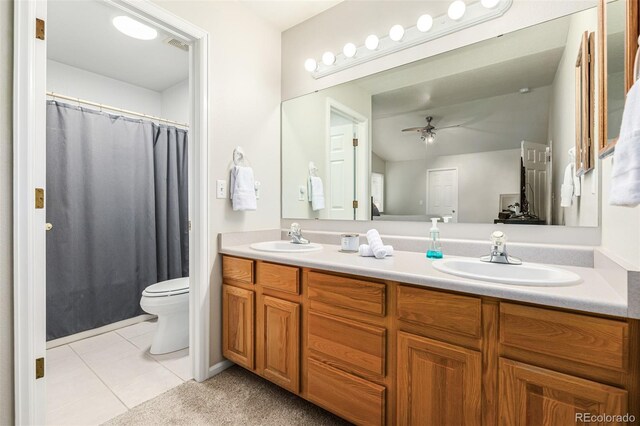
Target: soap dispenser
435 249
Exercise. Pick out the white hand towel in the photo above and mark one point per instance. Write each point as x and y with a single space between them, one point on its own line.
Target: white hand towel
242 187
566 189
365 250
625 174
376 244
317 193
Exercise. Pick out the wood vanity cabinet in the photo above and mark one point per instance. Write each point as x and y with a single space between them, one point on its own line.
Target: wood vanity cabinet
379 352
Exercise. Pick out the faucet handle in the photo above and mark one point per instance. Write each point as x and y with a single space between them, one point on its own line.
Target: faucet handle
498 238
295 228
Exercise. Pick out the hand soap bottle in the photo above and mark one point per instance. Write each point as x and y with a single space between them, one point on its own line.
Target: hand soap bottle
435 249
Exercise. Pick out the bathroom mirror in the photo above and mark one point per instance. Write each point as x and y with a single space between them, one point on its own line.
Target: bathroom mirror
481 134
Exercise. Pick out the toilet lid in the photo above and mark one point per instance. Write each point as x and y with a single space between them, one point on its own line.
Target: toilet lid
168 288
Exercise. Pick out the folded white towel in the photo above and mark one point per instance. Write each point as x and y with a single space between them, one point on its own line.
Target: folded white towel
625 174
242 187
375 242
316 191
365 250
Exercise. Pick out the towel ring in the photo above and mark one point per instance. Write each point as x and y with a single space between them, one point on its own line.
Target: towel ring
313 170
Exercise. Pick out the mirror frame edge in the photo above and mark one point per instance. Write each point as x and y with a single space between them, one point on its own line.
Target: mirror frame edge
632 31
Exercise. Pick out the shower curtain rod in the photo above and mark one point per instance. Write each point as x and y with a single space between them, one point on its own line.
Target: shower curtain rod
111 108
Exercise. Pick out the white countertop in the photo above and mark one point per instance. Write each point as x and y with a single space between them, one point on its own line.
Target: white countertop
594 294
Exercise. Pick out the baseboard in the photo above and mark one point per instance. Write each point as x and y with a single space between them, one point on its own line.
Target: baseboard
96 331
219 368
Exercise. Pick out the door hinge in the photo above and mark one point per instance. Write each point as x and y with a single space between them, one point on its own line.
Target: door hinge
355 141
39 198
355 204
39 368
39 29
189 225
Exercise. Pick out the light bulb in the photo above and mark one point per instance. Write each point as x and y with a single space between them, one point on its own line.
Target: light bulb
396 33
328 58
431 139
310 65
372 42
425 22
456 10
490 4
349 50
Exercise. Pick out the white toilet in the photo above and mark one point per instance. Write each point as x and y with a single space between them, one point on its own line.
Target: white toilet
169 300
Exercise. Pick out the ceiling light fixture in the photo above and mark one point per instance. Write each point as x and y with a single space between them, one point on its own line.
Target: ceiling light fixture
456 10
490 4
396 32
427 28
328 58
349 50
372 42
425 22
310 65
134 28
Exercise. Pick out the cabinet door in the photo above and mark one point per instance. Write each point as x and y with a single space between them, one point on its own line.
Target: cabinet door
279 345
438 383
237 325
535 396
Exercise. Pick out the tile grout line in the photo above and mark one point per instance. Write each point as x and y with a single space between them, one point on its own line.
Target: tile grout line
149 355
99 378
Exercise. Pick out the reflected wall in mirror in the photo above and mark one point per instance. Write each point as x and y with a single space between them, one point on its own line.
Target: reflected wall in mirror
481 134
612 68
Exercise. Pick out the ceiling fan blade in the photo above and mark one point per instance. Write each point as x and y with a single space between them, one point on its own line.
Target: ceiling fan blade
448 127
413 129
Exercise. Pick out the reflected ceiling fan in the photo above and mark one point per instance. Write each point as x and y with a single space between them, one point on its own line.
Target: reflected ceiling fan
427 133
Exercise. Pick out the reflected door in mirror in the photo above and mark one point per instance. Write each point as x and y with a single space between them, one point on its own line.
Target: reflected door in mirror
442 193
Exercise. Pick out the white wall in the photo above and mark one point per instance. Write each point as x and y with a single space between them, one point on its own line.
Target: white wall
304 139
482 177
244 109
562 132
6 213
76 82
175 102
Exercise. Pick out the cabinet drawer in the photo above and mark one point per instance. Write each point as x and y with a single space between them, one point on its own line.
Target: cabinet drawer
278 277
237 269
350 345
352 398
444 311
345 293
572 337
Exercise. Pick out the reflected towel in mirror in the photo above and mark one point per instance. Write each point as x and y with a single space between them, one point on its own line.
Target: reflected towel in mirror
316 191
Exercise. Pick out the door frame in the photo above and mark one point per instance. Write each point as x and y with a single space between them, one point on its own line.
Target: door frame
440 169
29 161
362 184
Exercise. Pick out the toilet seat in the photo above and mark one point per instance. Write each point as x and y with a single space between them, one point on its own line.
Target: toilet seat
167 288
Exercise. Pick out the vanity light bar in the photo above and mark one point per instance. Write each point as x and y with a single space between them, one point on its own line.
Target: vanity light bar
400 39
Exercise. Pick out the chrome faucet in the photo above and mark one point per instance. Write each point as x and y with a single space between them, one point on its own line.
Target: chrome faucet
296 234
499 250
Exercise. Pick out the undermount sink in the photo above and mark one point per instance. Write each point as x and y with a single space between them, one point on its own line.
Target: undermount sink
525 274
285 247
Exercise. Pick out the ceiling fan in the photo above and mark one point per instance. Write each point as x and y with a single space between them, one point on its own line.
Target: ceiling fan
427 133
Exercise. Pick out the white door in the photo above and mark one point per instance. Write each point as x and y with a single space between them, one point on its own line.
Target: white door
341 173
442 193
534 160
377 190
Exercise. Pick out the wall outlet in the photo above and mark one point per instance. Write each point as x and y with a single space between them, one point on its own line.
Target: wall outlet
221 188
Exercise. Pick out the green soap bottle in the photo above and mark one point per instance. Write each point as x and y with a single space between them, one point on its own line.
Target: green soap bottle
435 248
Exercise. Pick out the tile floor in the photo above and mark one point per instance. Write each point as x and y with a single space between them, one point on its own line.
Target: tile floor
93 380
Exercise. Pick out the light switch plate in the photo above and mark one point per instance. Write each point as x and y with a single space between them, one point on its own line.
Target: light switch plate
302 190
221 188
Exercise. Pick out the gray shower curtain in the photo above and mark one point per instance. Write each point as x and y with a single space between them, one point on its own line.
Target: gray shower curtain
117 198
